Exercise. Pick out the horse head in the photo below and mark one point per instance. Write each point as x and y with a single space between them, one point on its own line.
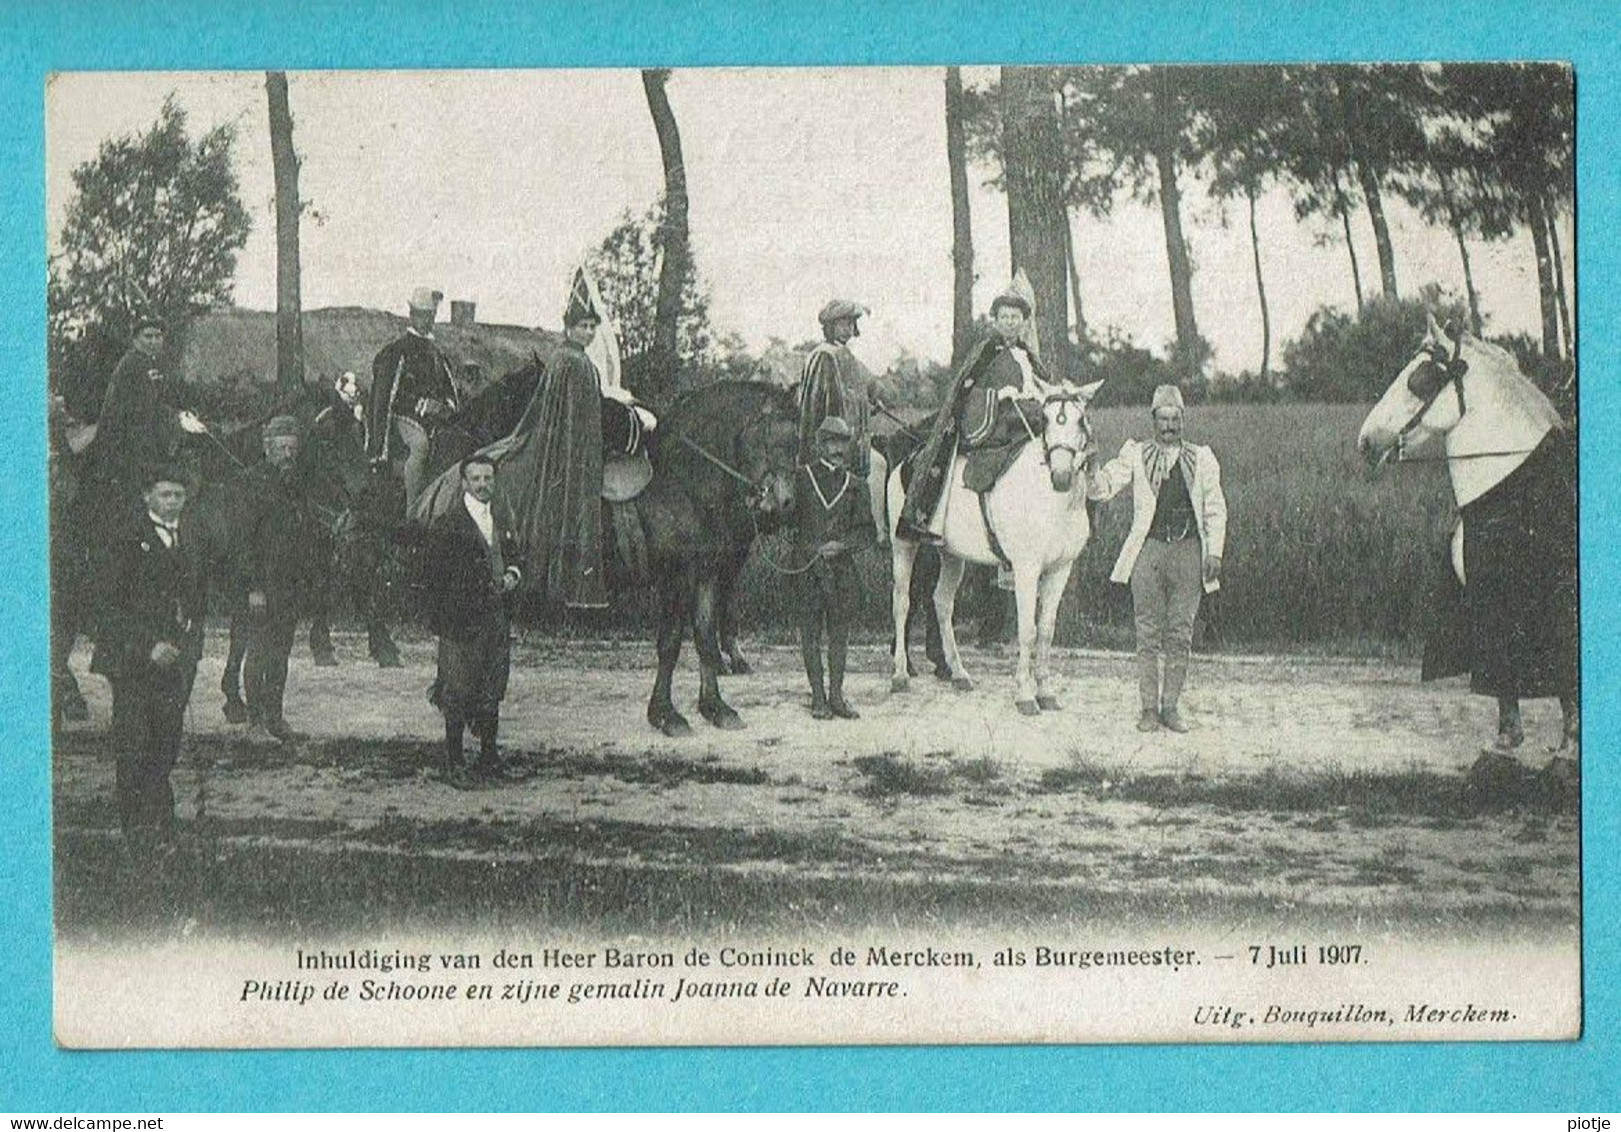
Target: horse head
1067 431
1469 391
767 451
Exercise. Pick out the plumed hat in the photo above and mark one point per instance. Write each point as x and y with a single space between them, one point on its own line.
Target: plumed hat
840 308
1167 397
835 427
426 299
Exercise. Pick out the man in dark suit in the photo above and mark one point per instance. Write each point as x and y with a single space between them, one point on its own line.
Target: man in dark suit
281 560
413 392
151 636
470 570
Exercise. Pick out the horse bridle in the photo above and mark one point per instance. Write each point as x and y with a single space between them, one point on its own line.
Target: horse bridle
1063 399
1430 381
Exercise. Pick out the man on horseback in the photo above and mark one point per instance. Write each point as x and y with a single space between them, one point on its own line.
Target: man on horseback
1172 554
144 419
994 407
280 563
413 392
834 383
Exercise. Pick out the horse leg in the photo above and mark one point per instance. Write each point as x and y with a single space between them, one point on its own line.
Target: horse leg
321 626
671 625
1570 739
235 709
1510 731
1026 586
707 642
733 663
1051 593
924 577
945 602
902 558
370 597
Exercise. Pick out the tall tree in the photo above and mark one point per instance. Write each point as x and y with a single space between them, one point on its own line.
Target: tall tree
675 267
289 303
962 232
1032 154
154 224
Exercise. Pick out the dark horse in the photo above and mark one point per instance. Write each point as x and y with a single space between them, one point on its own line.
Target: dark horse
723 466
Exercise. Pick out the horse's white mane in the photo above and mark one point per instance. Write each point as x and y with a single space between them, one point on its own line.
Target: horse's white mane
1517 390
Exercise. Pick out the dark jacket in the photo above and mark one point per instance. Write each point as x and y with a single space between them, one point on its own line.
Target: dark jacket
830 506
139 427
459 574
282 548
410 378
150 593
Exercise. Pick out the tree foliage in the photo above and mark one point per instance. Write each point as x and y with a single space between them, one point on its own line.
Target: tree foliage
154 225
628 265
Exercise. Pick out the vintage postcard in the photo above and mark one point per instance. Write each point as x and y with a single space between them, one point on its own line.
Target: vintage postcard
782 556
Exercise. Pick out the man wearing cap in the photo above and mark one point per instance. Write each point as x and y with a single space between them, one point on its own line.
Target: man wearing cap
279 565
558 467
471 568
144 419
832 518
1172 554
993 407
412 394
150 638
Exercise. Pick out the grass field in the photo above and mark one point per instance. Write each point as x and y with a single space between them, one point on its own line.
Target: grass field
1319 555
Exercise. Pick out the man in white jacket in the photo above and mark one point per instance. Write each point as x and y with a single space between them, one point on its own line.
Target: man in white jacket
1172 555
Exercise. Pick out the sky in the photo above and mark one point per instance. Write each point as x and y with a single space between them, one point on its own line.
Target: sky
805 184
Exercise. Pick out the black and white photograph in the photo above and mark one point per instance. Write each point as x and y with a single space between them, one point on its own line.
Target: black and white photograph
783 556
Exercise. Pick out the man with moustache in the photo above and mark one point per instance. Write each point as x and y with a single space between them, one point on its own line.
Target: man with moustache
1172 554
471 568
151 636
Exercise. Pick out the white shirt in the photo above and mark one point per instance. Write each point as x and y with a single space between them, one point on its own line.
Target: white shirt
168 532
481 517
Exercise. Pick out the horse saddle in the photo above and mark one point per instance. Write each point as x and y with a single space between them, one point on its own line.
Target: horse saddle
984 466
625 477
626 468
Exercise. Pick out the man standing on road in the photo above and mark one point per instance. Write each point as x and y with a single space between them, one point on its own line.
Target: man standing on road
1172 554
150 639
471 568
281 563
412 393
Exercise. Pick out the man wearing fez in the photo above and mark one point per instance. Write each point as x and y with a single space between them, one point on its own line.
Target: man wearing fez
150 639
470 570
832 518
1172 554
994 404
280 565
412 394
144 420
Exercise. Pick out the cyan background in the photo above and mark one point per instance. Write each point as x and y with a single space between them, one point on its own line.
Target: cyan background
39 37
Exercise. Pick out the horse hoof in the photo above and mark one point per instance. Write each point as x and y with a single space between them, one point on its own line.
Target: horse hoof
235 711
900 683
390 660
741 667
77 711
325 660
1048 703
674 726
962 683
942 672
1509 738
724 718
1027 707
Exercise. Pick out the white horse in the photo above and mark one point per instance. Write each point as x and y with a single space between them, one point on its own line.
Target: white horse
1038 513
1517 543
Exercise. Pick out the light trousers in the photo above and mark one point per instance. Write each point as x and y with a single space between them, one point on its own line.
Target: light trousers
1166 585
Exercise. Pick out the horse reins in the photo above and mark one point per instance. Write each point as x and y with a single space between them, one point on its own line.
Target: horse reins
1453 368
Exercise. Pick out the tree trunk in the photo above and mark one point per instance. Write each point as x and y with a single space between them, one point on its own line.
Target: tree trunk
962 232
289 303
1476 324
674 237
1032 152
1568 331
1545 285
1381 230
1344 212
1176 252
1260 290
1074 283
